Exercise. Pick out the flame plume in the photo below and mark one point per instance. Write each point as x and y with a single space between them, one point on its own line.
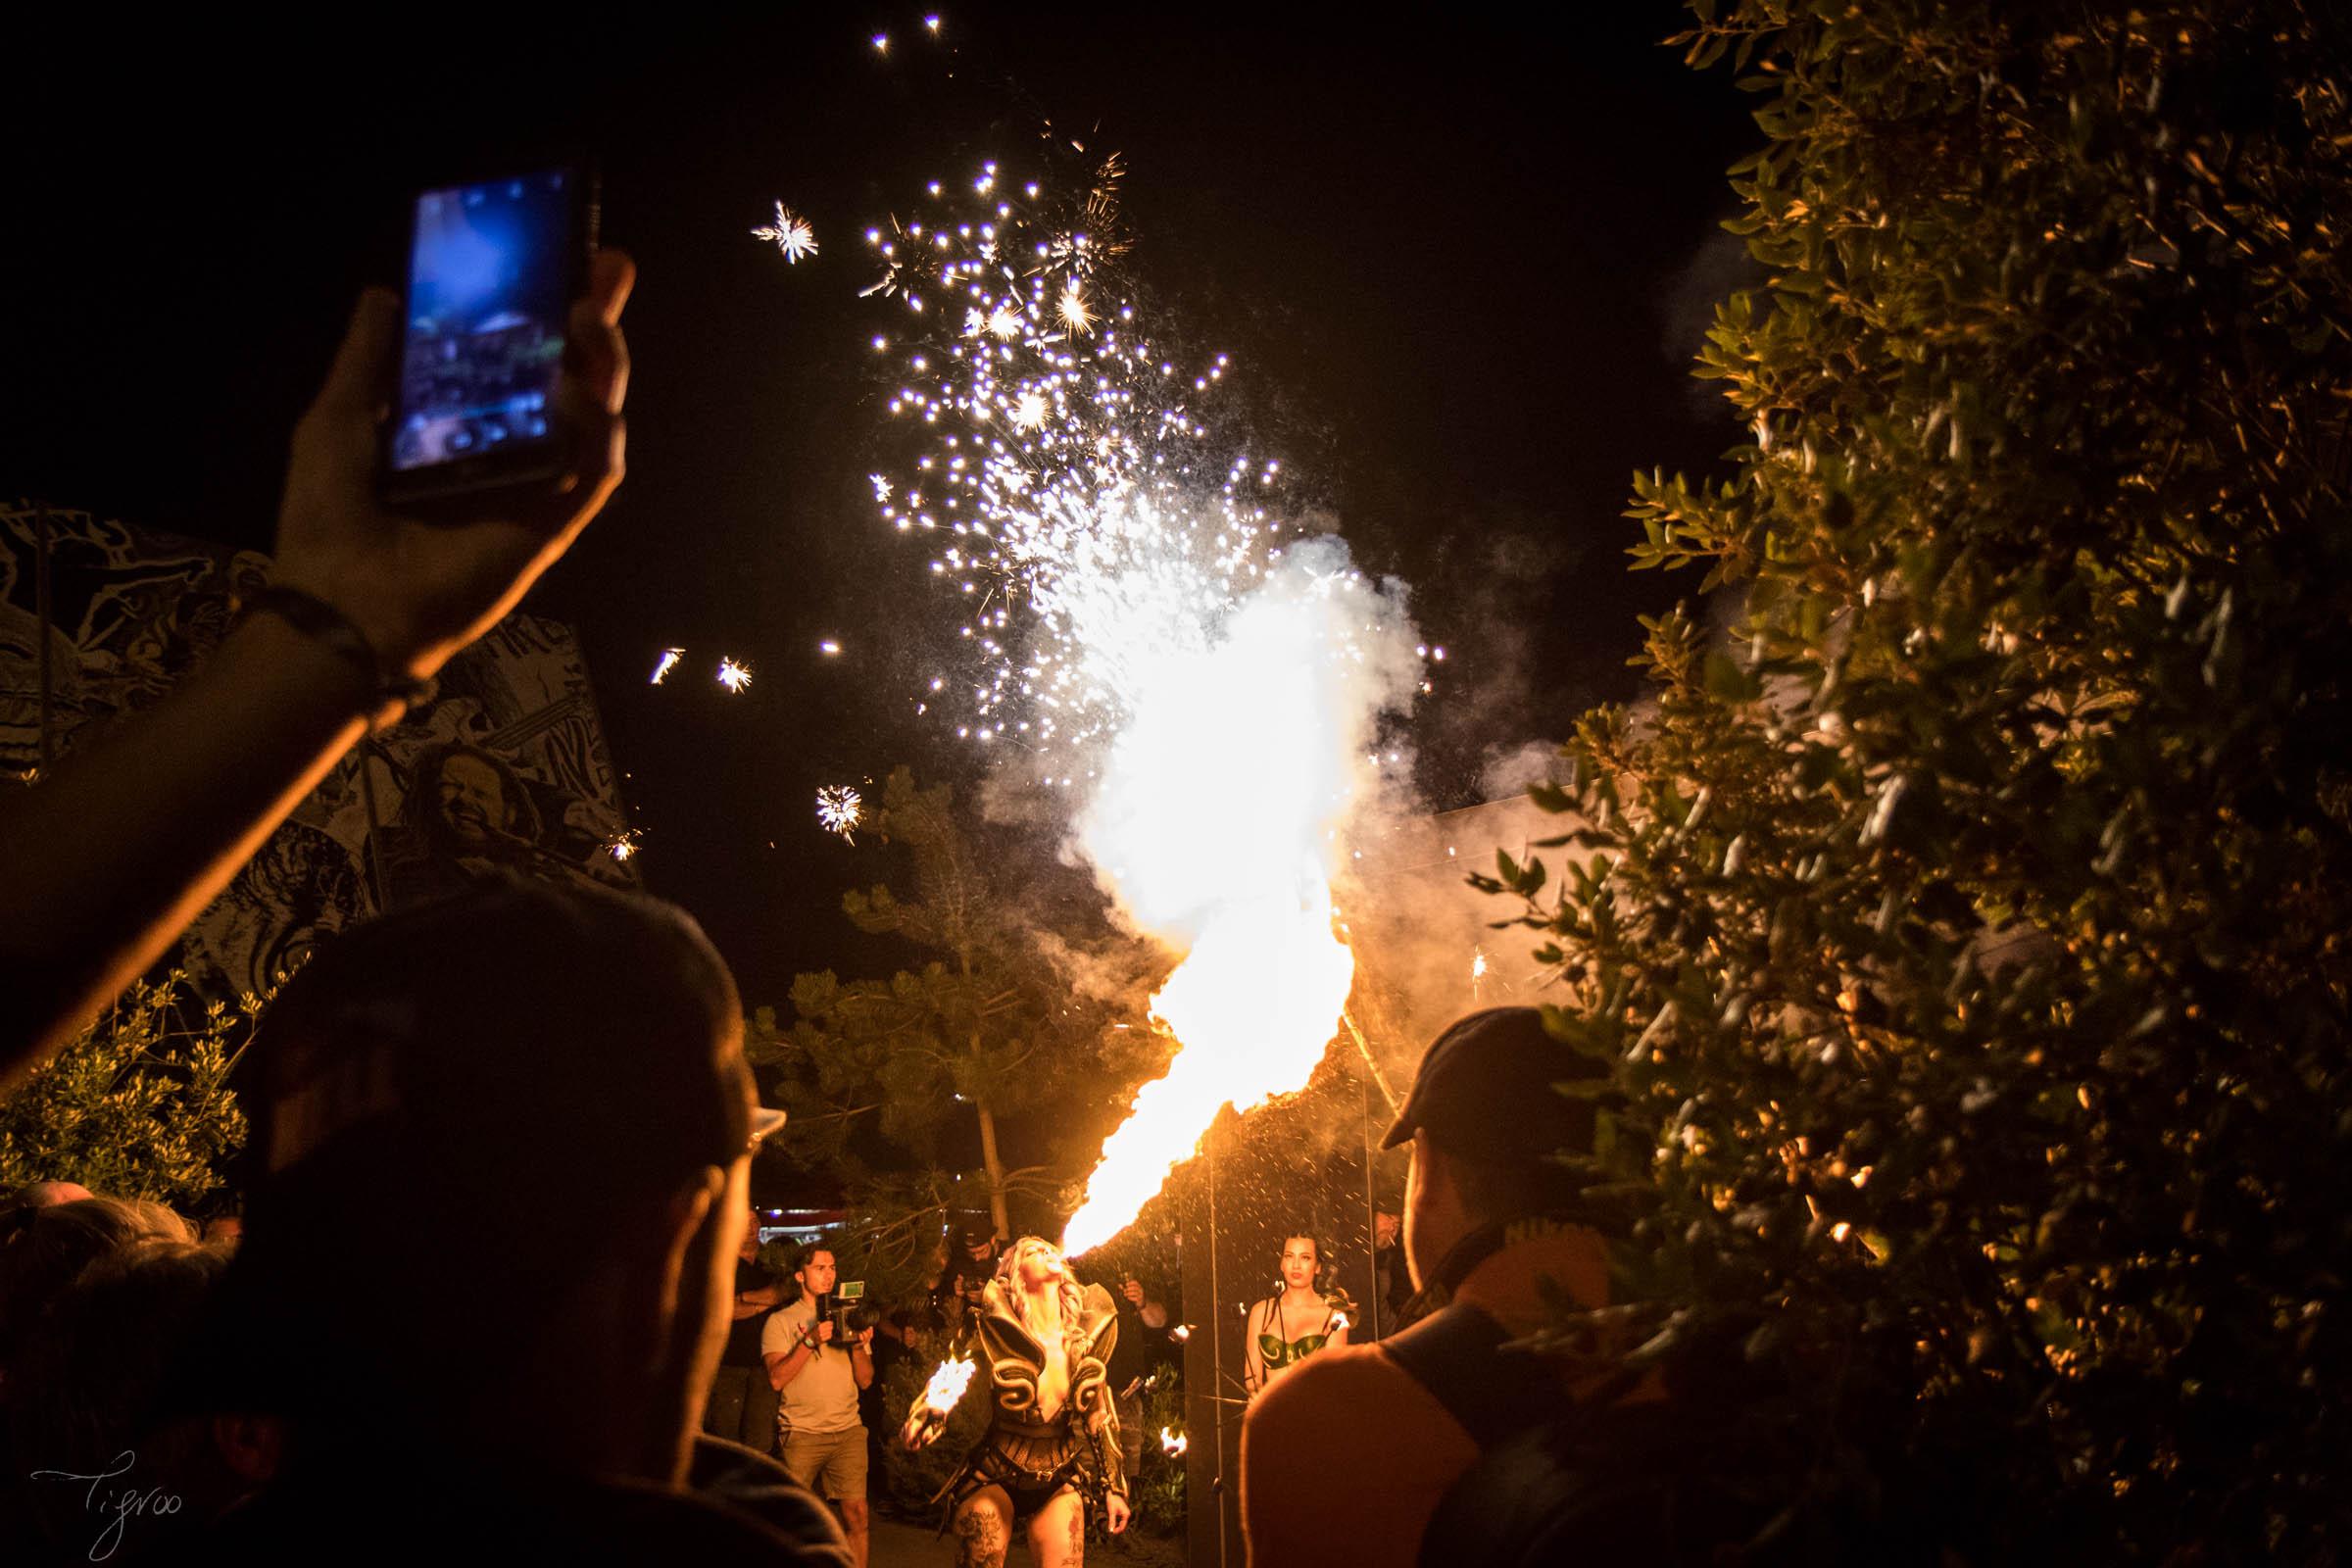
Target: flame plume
1210 686
1213 821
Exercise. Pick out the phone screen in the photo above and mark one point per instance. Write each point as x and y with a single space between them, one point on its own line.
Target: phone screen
489 279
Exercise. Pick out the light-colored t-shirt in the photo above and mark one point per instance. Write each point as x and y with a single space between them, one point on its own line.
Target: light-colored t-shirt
822 1397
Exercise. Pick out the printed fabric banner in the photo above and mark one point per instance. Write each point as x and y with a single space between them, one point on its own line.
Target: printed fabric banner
503 769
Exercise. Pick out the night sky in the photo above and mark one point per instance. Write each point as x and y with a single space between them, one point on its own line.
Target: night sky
1461 269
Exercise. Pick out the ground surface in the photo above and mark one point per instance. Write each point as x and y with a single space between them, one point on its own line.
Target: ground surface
901 1545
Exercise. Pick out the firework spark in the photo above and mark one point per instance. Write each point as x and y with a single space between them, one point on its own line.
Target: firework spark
839 810
622 845
790 233
734 676
668 662
1063 474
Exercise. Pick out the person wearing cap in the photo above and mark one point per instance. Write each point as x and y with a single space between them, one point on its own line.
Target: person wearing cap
548 1084
956 1294
1345 1457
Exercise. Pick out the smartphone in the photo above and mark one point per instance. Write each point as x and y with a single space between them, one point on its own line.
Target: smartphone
493 268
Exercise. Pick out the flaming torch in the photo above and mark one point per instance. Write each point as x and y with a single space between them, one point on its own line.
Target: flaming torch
1172 1442
940 1396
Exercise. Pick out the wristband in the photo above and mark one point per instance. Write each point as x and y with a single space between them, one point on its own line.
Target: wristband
324 624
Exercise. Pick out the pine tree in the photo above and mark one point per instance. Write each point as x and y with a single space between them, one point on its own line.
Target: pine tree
1003 1018
1968 926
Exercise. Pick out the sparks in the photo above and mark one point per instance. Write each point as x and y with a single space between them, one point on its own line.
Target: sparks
839 810
622 845
881 486
790 233
734 676
1127 588
668 662
828 647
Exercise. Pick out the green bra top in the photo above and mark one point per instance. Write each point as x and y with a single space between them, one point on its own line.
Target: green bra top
1282 1352
1275 1350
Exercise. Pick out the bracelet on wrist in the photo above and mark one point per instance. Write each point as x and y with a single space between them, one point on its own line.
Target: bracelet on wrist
332 629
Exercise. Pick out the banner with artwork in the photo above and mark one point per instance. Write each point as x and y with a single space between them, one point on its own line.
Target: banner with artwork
504 769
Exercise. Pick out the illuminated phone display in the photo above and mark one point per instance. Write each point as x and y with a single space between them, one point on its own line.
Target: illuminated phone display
492 268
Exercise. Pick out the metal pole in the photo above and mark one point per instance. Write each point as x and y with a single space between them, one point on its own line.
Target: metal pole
40 611
369 863
1217 1343
1363 1049
1371 1214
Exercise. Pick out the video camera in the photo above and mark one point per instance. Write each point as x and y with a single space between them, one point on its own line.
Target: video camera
845 1308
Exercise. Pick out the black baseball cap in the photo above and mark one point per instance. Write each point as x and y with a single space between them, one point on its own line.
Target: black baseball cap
1488 1087
537 1047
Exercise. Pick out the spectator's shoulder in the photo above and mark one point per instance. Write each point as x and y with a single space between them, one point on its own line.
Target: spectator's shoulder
1323 1395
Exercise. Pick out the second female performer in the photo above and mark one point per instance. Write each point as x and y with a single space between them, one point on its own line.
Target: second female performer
1053 1436
1297 1320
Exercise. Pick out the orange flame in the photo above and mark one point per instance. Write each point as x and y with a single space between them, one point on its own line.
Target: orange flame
1254 1004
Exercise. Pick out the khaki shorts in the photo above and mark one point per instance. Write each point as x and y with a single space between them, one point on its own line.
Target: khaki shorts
831 1464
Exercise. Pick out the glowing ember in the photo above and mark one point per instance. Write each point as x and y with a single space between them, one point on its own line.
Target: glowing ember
839 810
668 662
734 676
1173 1441
790 233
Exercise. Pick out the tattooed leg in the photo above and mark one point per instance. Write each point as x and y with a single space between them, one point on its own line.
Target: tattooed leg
983 1529
1057 1535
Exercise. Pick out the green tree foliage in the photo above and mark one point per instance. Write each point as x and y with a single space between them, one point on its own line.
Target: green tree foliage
139 1104
1969 925
1004 1019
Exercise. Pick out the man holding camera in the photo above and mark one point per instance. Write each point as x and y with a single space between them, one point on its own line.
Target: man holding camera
818 1366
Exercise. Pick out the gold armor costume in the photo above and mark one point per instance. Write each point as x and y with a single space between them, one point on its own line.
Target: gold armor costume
1078 1446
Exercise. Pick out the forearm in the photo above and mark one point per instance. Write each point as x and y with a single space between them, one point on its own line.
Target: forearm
862 1367
110 860
782 1369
